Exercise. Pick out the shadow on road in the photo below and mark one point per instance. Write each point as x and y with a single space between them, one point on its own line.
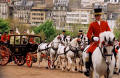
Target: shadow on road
1 75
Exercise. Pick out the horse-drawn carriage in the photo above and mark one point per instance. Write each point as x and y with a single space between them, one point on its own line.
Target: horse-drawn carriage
18 48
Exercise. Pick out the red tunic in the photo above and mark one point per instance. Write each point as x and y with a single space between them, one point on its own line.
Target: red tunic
4 38
31 41
94 30
8 37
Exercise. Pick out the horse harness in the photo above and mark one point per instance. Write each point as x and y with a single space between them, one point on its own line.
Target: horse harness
46 47
75 50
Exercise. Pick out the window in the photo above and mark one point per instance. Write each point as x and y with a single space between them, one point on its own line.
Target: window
83 20
41 14
83 15
42 18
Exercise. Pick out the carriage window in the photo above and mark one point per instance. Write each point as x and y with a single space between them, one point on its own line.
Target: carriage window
12 40
17 39
24 40
37 39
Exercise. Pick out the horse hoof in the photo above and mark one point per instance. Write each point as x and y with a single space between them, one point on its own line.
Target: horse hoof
46 67
75 69
86 74
68 69
81 71
117 73
54 67
58 67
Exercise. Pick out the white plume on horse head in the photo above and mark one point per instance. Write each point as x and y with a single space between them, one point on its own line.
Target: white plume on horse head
17 32
57 38
32 33
56 41
28 32
106 36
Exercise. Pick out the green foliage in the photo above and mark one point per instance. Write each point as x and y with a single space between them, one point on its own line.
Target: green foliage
47 28
4 26
117 29
117 33
72 34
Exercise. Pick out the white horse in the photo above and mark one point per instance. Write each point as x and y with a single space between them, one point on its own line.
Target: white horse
72 53
103 60
118 62
53 50
79 59
67 40
117 57
43 49
61 53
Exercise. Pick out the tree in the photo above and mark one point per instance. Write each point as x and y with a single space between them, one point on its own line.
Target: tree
15 23
4 26
117 30
48 30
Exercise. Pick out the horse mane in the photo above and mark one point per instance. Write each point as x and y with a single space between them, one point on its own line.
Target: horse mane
74 42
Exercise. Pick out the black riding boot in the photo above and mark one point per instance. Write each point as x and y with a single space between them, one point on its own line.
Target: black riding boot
88 64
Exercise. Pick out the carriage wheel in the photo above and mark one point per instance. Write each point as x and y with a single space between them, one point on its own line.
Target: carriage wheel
29 60
19 60
4 55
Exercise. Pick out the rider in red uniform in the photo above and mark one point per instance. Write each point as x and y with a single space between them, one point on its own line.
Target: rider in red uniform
4 37
94 30
31 40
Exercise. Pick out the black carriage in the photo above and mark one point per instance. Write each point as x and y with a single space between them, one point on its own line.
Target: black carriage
18 48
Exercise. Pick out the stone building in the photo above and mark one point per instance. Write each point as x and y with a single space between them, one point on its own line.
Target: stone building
22 10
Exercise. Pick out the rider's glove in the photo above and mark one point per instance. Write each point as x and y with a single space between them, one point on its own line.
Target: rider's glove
95 38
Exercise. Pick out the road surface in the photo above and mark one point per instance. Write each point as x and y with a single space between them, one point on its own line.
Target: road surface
14 71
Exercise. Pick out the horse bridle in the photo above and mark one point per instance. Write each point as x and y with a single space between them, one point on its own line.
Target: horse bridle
102 50
76 48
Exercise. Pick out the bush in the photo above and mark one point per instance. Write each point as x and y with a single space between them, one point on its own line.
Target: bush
47 28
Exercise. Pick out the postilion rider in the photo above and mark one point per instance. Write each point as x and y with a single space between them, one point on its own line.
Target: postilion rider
31 40
80 34
94 30
4 38
63 36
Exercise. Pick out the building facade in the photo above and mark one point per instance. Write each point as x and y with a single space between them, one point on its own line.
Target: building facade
4 10
38 15
22 10
59 11
81 17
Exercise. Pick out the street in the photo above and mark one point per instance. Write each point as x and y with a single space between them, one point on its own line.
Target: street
14 71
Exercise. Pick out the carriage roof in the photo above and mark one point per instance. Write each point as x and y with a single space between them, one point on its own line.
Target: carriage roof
25 35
